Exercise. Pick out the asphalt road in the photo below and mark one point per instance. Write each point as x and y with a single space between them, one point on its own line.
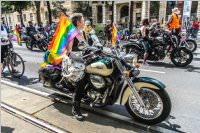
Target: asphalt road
182 86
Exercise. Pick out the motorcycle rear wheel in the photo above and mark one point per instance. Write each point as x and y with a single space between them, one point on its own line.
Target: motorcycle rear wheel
153 99
191 45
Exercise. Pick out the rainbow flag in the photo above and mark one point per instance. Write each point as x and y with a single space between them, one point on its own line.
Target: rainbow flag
115 36
64 34
16 37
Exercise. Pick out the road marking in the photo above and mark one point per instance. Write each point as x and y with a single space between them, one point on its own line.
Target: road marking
31 118
153 71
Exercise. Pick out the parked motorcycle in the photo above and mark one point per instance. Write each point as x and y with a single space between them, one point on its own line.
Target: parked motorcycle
109 80
160 47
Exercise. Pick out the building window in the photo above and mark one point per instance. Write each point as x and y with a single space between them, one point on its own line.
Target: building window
31 17
139 5
10 21
46 15
124 12
154 9
194 10
138 17
18 18
24 15
99 14
110 8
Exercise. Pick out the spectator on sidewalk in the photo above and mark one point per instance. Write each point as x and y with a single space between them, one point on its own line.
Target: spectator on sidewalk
188 26
195 28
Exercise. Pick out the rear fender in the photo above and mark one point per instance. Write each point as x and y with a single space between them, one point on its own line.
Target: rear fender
142 82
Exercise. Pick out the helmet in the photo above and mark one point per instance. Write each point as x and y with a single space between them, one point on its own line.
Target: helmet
87 22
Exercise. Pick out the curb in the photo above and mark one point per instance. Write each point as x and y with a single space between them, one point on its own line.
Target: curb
106 113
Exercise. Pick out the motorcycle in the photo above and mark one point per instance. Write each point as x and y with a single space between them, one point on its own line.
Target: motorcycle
37 40
109 80
160 47
190 44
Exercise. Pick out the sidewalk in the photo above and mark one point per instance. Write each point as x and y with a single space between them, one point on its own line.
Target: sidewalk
13 124
59 114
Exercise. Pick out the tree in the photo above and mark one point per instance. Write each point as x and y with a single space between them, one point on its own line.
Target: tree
83 7
49 11
37 5
18 6
58 8
6 8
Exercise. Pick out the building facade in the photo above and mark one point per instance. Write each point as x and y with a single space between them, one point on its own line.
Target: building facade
12 19
102 11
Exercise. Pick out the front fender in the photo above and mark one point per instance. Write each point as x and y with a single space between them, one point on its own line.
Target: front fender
141 82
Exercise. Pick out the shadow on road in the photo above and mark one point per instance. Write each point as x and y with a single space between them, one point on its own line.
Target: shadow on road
103 120
5 129
93 117
189 68
24 80
168 125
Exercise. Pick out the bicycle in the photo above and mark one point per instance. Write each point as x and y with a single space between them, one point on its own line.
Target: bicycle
13 61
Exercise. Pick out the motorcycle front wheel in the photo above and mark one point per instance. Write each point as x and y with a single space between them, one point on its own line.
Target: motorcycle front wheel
181 57
28 44
157 106
44 45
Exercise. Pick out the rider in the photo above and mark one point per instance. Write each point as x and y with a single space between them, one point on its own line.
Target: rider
144 33
154 29
78 22
174 22
31 31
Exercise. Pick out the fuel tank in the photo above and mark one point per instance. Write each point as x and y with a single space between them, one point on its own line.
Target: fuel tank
103 67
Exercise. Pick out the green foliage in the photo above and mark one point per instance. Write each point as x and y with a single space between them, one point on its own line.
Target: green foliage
58 8
13 6
83 7
6 7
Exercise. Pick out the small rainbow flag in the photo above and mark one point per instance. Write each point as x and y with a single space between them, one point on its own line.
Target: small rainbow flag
115 36
16 37
64 34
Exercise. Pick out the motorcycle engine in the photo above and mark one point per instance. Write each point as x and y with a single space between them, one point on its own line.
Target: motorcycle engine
160 52
97 81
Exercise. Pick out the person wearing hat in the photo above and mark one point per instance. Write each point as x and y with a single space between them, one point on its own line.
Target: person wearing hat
174 22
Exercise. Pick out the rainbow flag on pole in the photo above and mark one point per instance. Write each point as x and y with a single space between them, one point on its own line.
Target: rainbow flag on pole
115 36
16 37
64 34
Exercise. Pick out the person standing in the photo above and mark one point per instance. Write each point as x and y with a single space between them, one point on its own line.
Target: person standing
144 33
195 28
188 26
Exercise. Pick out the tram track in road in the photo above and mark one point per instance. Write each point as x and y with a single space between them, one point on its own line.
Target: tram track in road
32 120
66 99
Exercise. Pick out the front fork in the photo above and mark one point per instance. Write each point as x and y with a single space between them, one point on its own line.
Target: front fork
130 83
